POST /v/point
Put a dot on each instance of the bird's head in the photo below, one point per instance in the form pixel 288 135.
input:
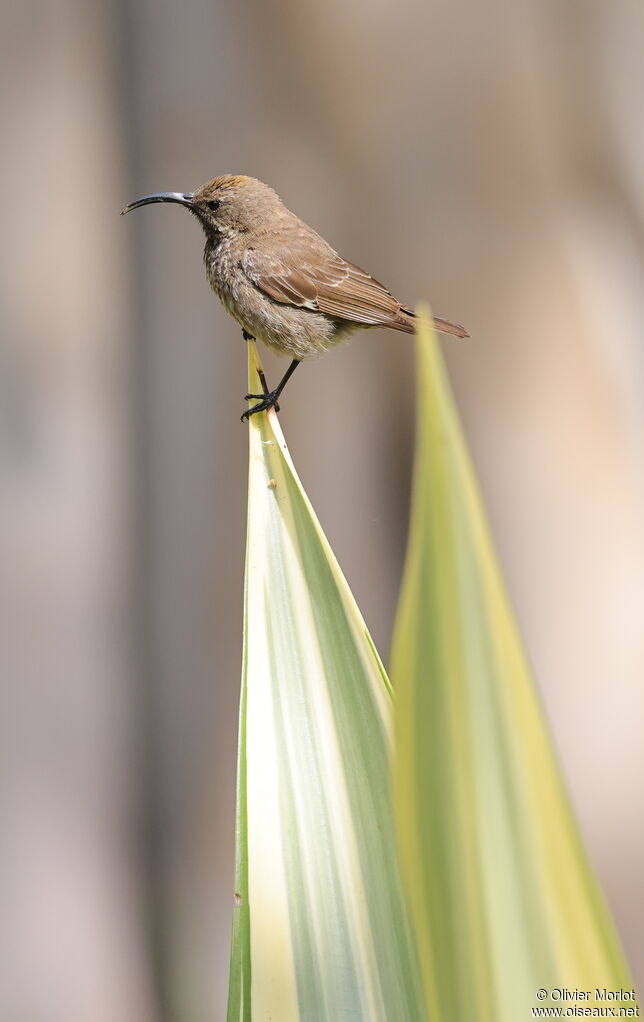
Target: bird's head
pixel 226 206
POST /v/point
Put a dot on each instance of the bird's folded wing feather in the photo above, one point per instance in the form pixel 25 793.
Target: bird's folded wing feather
pixel 313 276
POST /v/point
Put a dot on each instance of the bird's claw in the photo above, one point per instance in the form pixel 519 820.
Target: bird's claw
pixel 266 401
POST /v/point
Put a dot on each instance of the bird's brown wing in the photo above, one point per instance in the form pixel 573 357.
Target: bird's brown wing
pixel 307 273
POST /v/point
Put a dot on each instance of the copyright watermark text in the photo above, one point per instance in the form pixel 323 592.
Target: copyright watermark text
pixel 597 1003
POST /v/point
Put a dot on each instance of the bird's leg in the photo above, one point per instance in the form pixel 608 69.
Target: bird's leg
pixel 269 399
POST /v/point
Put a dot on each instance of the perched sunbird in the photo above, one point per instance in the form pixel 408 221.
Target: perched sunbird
pixel 281 281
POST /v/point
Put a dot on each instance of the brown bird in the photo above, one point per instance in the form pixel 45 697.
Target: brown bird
pixel 280 280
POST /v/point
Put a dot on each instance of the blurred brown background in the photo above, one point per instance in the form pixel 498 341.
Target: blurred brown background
pixel 489 157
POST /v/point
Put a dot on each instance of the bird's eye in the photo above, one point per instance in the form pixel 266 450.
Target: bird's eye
pixel 213 204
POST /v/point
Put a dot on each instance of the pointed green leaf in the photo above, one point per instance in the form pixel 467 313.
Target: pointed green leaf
pixel 502 896
pixel 320 933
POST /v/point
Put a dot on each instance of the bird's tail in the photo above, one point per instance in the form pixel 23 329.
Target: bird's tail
pixel 444 326
pixel 407 322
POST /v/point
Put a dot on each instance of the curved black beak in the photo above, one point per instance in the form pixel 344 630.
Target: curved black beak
pixel 182 198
